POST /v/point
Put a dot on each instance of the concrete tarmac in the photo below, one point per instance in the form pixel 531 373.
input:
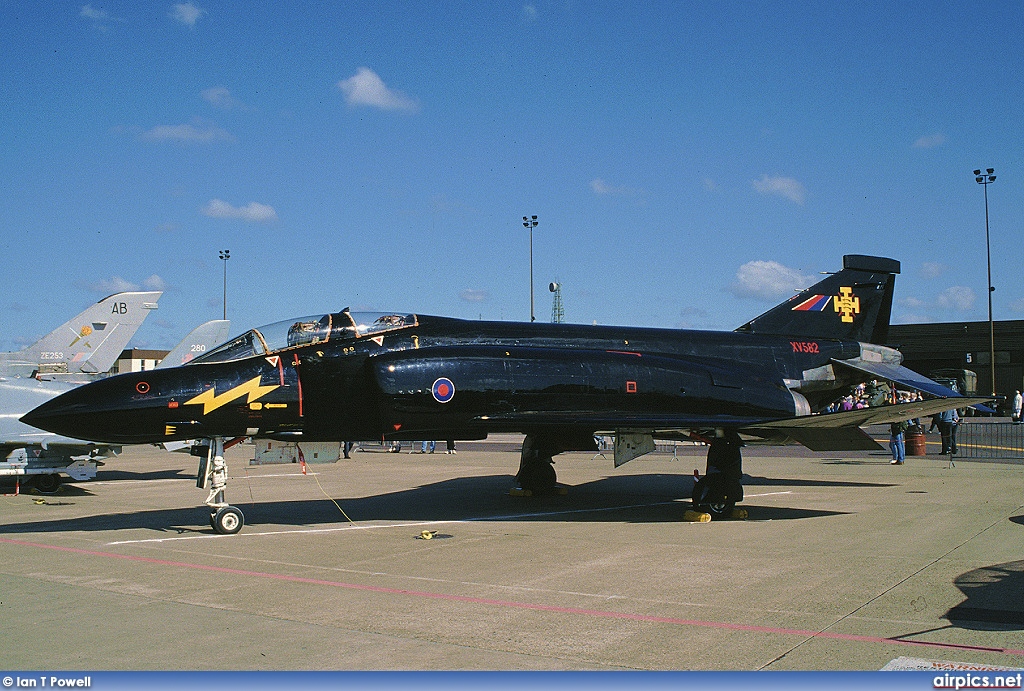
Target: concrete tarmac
pixel 844 563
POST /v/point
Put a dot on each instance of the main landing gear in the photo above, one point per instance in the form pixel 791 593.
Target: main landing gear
pixel 536 470
pixel 536 467
pixel 213 475
pixel 722 486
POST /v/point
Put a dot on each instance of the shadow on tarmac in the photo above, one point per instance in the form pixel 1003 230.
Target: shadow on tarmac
pixel 995 598
pixel 754 481
pixel 649 498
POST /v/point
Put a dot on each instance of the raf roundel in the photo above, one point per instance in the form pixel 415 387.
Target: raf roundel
pixel 443 390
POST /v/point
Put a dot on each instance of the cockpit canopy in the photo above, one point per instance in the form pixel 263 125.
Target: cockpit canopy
pixel 292 333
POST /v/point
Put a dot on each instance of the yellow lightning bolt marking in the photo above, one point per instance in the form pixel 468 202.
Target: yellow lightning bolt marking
pixel 211 400
pixel 846 304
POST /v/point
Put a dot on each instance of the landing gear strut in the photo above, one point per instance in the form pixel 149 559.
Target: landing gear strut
pixel 536 470
pixel 718 491
pixel 213 475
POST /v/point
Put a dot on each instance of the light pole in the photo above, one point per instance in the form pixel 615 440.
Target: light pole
pixel 224 256
pixel 986 179
pixel 531 223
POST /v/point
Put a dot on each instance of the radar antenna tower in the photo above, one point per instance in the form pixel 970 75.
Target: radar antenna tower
pixel 557 312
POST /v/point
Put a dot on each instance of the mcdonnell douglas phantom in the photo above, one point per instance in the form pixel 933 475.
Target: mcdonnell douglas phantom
pixel 396 376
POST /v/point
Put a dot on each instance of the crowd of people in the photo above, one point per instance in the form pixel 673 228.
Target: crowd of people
pixel 873 394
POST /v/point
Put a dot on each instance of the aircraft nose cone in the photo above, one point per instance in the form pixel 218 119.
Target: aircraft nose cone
pixel 67 415
pixel 98 412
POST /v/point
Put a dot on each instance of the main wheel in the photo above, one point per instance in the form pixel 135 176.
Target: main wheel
pixel 710 496
pixel 48 483
pixel 228 520
pixel 537 477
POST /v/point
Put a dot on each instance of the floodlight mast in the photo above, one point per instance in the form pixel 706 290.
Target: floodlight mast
pixel 531 223
pixel 224 256
pixel 985 179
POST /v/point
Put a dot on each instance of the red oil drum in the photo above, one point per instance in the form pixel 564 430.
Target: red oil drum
pixel 915 443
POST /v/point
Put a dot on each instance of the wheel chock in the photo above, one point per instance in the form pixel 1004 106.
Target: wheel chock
pixel 519 492
pixel 692 516
pixel 739 515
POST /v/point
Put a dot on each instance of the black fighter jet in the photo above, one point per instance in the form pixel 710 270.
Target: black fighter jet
pixel 370 377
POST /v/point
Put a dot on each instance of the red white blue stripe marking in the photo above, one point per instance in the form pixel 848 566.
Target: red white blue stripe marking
pixel 817 303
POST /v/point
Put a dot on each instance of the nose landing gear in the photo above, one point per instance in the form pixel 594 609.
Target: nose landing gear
pixel 213 475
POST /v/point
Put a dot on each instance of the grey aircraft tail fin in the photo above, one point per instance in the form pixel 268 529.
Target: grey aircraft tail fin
pixel 201 339
pixel 853 304
pixel 89 343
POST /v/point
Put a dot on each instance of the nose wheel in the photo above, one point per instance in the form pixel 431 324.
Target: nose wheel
pixel 227 520
pixel 213 475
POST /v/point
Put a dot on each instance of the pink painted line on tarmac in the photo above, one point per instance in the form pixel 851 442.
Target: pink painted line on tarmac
pixel 520 605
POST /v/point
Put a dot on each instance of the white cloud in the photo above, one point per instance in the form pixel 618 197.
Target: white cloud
pixel 959 298
pixel 599 186
pixel 220 97
pixel 186 13
pixel 198 132
pixel 930 141
pixel 912 303
pixel 154 282
pixel 933 269
pixel 99 18
pixel 1017 306
pixel 779 186
pixel 768 280
pixel 90 12
pixel 530 13
pixel 470 295
pixel 254 212
pixel 109 286
pixel 365 88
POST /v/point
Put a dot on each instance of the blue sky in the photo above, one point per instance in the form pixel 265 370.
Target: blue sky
pixel 691 164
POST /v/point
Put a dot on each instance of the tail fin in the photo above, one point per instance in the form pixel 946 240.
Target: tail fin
pixel 854 304
pixel 202 338
pixel 91 342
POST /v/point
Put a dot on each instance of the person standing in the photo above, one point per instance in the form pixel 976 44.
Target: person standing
pixel 948 420
pixel 896 443
pixel 1018 401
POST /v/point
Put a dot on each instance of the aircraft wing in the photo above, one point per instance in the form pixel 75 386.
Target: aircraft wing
pixel 825 432
pixel 842 431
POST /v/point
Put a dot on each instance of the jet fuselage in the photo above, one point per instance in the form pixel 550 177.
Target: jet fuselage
pixel 422 377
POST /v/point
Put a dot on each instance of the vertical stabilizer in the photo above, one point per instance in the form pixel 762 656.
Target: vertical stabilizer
pixel 201 339
pixel 854 304
pixel 89 343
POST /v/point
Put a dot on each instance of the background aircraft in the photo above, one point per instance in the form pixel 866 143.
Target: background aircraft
pixel 86 345
pixel 42 456
pixel 354 376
